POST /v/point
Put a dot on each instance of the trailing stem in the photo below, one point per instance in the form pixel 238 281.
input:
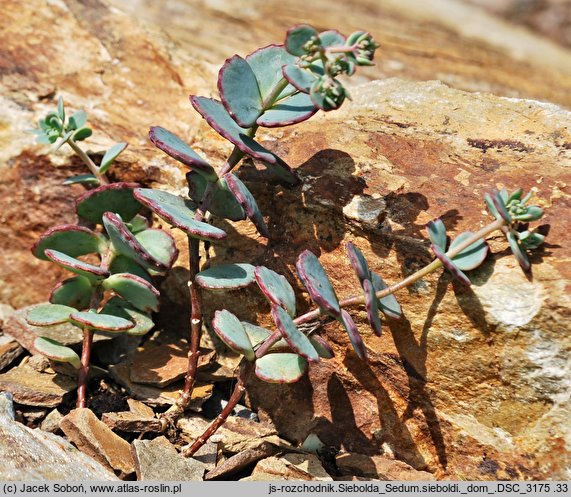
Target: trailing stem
pixel 194 262
pixel 239 388
pixel 102 178
pixel 316 313
pixel 84 370
pixel 88 338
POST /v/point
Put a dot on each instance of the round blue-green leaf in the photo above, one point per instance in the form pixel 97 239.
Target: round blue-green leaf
pixel 281 367
pixel 175 211
pixel 257 335
pixel 358 261
pixel 322 347
pixel 122 309
pixel 290 110
pixel 230 330
pixel 49 314
pixel 354 336
pixel 178 149
pixel 449 264
pixel 297 37
pixel 226 277
pixel 56 351
pixel 301 79
pixel 518 251
pixel 297 341
pixel 217 116
pixel 82 134
pixel 239 91
pixel 125 243
pixel 77 120
pixel 532 213
pixel 530 240
pixel 437 233
pixel 69 239
pixel 91 272
pixel 388 305
pixel 498 199
pixel 248 203
pixel 135 290
pixel 472 256
pixel 160 244
pixel 123 264
pixel 331 38
pixel 276 288
pixel 102 322
pixel 61 109
pixel 138 223
pixel 110 156
pixel 266 63
pixel 114 197
pixel 223 203
pixel 87 179
pixel 372 306
pixel 74 292
pixel 315 280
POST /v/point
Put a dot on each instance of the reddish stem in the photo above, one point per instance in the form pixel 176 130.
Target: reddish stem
pixel 239 388
pixel 84 370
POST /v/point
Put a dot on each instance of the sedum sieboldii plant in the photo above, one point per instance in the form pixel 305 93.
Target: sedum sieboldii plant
pixel 113 252
pixel 278 85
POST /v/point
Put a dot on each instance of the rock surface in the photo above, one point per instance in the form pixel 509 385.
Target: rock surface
pixel 379 468
pixel 97 440
pixel 10 350
pixel 28 454
pixel 158 396
pixel 158 459
pixel 37 388
pixel 235 435
pixel 300 467
pixel 464 363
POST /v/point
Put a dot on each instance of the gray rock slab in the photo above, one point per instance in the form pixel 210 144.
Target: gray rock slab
pixel 158 459
pixel 28 454
pixel 31 387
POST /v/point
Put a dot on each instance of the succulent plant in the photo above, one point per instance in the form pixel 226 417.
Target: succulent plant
pixel 54 126
pixel 112 289
pixel 113 254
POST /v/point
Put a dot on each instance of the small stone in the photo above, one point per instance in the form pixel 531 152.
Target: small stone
pixel 235 435
pixel 10 350
pixel 379 467
pixel 96 439
pixel 7 405
pixel 35 388
pixel 276 468
pixel 28 454
pixel 51 422
pixel 162 364
pixel 140 408
pixel 309 463
pixel 32 414
pixel 207 455
pixel 131 422
pixel 158 396
pixel 242 460
pixel 158 459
